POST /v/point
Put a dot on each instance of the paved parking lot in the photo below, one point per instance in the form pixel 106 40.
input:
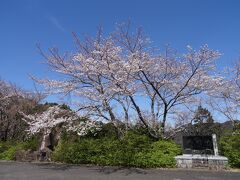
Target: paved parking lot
pixel 39 171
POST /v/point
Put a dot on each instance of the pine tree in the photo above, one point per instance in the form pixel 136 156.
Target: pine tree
pixel 202 115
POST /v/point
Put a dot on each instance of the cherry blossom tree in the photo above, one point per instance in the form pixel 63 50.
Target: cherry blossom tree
pixel 169 80
pixel 12 100
pixel 178 80
pixel 57 116
pixel 94 75
pixel 226 99
pixel 110 74
pixel 45 122
pixel 5 95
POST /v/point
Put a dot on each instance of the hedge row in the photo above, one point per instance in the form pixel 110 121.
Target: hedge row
pixel 133 150
pixel 230 147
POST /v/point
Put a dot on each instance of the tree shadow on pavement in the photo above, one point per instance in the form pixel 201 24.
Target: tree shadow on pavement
pixel 122 170
pixel 100 169
pixel 52 166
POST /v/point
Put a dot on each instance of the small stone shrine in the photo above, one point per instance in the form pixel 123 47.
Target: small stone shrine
pixel 200 152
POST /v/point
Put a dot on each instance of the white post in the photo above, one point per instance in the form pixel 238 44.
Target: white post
pixel 215 146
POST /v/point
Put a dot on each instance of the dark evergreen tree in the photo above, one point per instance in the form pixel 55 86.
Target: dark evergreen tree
pixel 202 115
pixel 203 123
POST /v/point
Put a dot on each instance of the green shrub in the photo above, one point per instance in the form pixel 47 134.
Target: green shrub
pixel 108 130
pixel 230 147
pixel 32 144
pixel 135 140
pixel 86 151
pixel 160 154
pixel 133 150
pixel 9 148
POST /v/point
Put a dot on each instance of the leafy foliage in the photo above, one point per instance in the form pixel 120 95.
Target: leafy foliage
pixel 9 148
pixel 160 154
pixel 133 150
pixel 230 147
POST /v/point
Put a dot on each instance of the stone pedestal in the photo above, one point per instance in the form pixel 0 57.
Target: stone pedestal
pixel 201 161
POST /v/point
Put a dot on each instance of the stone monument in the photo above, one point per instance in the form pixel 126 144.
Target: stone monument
pixel 201 152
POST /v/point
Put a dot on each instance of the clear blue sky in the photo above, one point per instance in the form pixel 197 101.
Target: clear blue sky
pixel 23 23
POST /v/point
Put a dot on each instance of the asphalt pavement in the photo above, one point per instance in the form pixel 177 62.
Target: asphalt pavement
pixel 50 171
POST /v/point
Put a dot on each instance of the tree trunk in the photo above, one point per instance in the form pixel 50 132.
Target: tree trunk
pixel 150 130
pixel 45 143
pixel 163 122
